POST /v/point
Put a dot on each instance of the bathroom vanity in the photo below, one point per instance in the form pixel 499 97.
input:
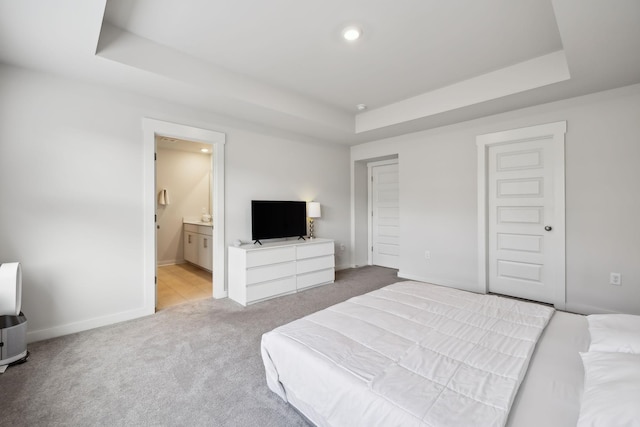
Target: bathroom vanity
pixel 198 244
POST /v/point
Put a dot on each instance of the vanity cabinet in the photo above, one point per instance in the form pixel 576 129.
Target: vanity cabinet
pixel 190 246
pixel 198 245
pixel 258 273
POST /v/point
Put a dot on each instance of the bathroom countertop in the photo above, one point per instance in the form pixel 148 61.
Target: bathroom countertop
pixel 196 222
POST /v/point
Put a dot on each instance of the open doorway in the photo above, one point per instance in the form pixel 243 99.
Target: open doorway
pixel 184 230
pixel 155 128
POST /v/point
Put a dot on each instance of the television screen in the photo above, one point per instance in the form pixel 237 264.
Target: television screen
pixel 272 219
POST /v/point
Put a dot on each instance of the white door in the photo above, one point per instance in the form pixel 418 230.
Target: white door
pixel 385 215
pixel 525 219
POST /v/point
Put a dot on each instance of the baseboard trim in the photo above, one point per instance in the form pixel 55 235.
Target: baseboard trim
pixel 587 309
pixel 171 262
pixel 71 328
pixel 471 287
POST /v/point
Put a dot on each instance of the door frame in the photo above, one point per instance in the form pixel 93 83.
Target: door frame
pixel 555 132
pixel 370 166
pixel 152 128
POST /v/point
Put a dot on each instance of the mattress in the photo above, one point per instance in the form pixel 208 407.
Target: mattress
pixel 551 391
pixel 408 354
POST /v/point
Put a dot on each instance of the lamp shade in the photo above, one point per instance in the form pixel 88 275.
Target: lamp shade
pixel 313 210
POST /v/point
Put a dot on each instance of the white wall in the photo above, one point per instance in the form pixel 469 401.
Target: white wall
pixel 438 199
pixel 279 169
pixel 186 176
pixel 71 192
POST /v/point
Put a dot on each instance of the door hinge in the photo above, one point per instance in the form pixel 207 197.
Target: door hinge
pixel 155 156
pixel 156 280
pixel 371 178
pixel 371 248
pixel 155 218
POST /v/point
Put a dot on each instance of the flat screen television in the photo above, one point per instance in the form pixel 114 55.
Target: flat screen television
pixel 271 219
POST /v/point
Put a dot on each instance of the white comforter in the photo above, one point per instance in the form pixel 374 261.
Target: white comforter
pixel 409 354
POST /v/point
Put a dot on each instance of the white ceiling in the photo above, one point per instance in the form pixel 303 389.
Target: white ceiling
pixel 408 46
pixel 282 63
pixel 169 143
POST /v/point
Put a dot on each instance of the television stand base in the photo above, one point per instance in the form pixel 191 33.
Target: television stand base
pixel 258 242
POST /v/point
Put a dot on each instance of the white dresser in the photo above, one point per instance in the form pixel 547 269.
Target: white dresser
pixel 258 273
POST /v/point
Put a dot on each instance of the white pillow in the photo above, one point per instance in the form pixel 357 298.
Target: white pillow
pixel 611 390
pixel 614 333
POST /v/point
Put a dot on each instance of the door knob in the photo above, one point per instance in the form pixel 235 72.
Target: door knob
pixel 548 228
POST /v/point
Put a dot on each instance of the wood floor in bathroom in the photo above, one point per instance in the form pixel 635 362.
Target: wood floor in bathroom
pixel 181 283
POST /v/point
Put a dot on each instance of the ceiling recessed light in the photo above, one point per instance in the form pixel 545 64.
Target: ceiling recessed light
pixel 351 33
pixel 204 150
pixel 361 107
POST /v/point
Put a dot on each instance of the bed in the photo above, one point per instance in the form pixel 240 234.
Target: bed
pixel 415 354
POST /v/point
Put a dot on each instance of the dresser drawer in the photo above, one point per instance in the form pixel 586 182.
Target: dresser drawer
pixel 270 256
pixel 270 272
pixel 191 227
pixel 315 278
pixel 205 229
pixel 271 289
pixel 314 250
pixel 314 264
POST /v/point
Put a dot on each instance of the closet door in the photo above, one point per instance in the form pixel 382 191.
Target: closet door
pixel 385 218
pixel 525 218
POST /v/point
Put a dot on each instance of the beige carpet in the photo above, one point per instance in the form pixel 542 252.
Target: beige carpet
pixel 196 364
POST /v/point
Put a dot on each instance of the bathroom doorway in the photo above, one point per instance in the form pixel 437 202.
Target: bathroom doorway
pixel 184 228
pixel 216 140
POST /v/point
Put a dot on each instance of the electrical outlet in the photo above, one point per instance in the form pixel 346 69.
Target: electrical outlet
pixel 615 279
pixel 427 254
